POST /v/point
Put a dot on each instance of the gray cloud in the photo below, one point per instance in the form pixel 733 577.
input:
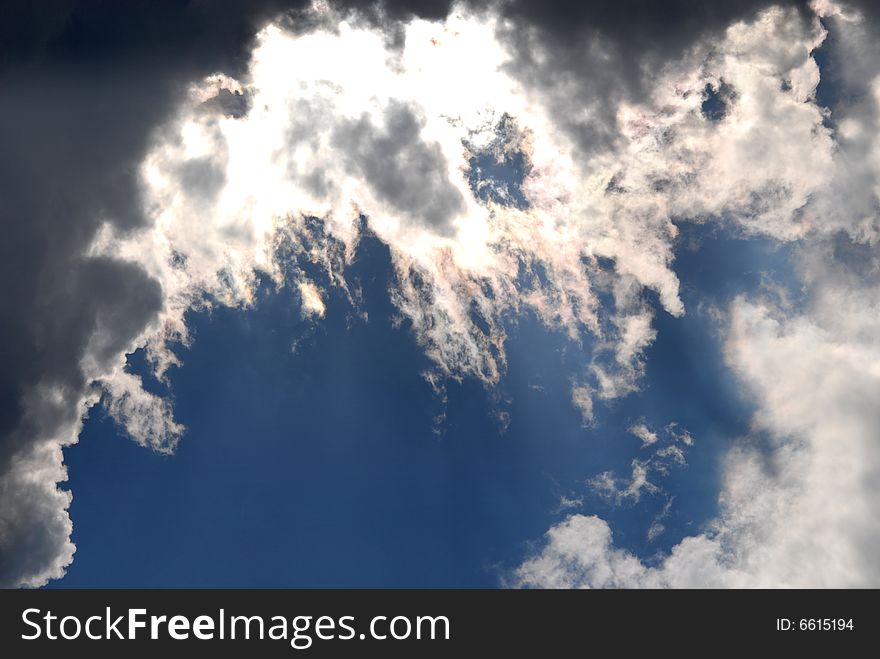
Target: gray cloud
pixel 203 177
pixel 85 84
pixel 71 150
pixel 584 58
pixel 230 103
pixel 402 169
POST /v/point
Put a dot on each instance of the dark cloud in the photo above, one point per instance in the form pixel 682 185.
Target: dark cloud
pixel 84 85
pixel 230 103
pixel 664 28
pixel 583 58
pixel 403 170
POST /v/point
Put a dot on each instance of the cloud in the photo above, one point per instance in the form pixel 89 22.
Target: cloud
pixel 586 59
pixel 666 455
pixel 581 398
pixel 312 304
pixel 402 170
pixel 579 551
pixel 145 417
pixel 657 527
pixel 85 85
pixel 460 261
pixel 129 202
pixel 608 487
pixel 798 506
pixel 799 512
pixel 644 433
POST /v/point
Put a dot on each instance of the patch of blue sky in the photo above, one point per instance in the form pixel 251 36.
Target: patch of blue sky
pixel 496 172
pixel 828 94
pixel 716 100
pixel 686 381
pixel 320 467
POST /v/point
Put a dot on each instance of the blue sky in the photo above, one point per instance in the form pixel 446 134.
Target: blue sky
pixel 320 467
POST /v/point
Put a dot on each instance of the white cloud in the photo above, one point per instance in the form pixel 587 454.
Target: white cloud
pixel 581 398
pixel 315 141
pixel 657 527
pixel 323 140
pixel 802 510
pixel 312 304
pixel 566 503
pixel 679 434
pixel 644 433
pixel 579 551
pixel 147 418
pixel 619 490
pixel 799 504
pixel 607 486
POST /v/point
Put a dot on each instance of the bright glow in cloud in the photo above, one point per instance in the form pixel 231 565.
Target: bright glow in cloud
pixel 363 129
pixel 312 304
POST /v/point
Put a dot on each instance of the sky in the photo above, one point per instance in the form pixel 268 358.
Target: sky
pixel 343 294
pixel 341 477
